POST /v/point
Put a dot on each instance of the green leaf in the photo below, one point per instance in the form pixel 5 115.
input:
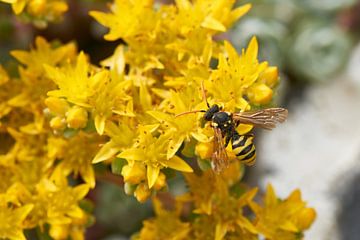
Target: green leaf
pixel 90 126
pixel 189 148
pixel 204 164
pixel 117 165
pixel 169 173
pixel 86 205
pixel 129 189
pixel 69 132
pixel 43 235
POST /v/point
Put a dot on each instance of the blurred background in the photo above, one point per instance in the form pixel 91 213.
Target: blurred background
pixel 316 45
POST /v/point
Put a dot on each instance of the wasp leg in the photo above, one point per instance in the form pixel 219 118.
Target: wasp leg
pixel 227 140
pixel 229 135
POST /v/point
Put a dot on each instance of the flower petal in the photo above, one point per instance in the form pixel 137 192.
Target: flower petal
pixel 132 154
pixel 178 164
pixel 239 12
pixel 107 151
pixel 211 23
pixel 152 175
pixel 19 6
pixel 100 124
pixel 80 191
pixel 174 146
pixel 243 222
pixel 160 116
pixel 270 197
pixel 220 231
pixel 252 50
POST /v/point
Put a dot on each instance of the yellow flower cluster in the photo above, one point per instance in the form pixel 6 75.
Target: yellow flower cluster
pixel 60 114
pixel 160 68
pixel 35 161
pixel 39 11
pixel 219 213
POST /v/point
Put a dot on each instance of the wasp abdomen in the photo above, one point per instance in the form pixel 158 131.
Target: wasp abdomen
pixel 244 148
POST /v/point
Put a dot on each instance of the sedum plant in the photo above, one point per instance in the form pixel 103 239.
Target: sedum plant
pixel 39 12
pixel 62 117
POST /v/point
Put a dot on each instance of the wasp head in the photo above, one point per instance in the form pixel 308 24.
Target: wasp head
pixel 211 111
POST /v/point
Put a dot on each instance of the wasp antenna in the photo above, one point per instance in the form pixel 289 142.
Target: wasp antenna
pixel 204 93
pixel 184 113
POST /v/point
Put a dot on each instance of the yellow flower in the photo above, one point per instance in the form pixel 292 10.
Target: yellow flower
pixel 282 219
pixel 33 92
pixel 183 127
pixel 212 15
pixel 27 148
pixel 39 11
pixel 122 137
pixel 184 29
pixel 234 75
pixel 82 86
pixel 44 53
pixel 60 201
pixel 152 152
pixel 196 51
pixel 125 20
pixel 11 221
pixel 166 225
pixel 56 147
pixel 77 156
pixel 74 81
pixel 211 198
pixel 34 84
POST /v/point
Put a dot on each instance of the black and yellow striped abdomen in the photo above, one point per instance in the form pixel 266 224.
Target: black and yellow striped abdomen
pixel 244 148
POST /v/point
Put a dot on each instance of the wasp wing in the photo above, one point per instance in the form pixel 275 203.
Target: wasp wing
pixel 219 157
pixel 265 118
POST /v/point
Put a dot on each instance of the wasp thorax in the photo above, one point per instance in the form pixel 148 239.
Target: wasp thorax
pixel 222 120
pixel 210 112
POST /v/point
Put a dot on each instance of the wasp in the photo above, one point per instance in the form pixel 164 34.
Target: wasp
pixel 224 125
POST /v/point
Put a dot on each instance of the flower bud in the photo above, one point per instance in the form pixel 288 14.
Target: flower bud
pixel 306 218
pixel 129 188
pixel 58 123
pixel 59 232
pixel 204 150
pixel 37 7
pixel 77 117
pixel 142 192
pixel 82 220
pixel 59 7
pixel 57 105
pixel 160 181
pixel 134 174
pixel 260 94
pixel 270 76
